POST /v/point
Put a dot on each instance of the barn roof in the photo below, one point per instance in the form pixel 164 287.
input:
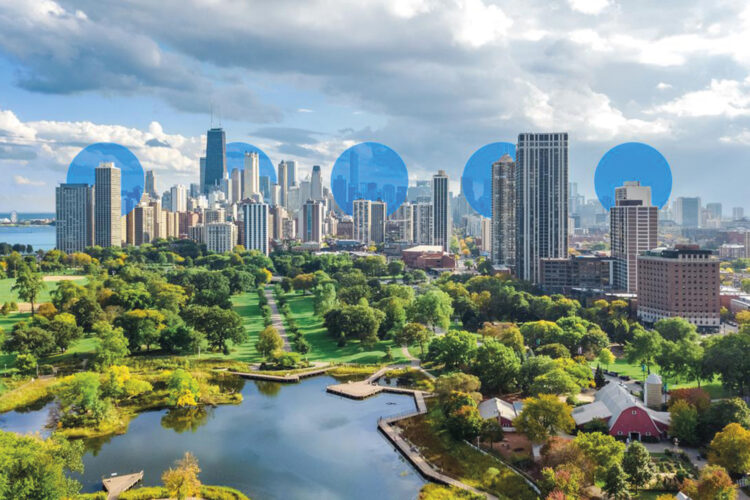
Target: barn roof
pixel 493 407
pixel 610 401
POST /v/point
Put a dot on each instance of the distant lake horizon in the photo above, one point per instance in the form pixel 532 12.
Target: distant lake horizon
pixel 39 237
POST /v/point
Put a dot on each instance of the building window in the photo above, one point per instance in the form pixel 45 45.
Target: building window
pixel 634 412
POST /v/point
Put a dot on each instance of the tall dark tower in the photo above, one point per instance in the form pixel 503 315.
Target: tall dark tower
pixel 216 158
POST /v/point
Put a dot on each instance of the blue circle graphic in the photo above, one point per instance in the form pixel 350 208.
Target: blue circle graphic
pixel 476 180
pixel 370 171
pixel 236 159
pixel 633 161
pixel 81 170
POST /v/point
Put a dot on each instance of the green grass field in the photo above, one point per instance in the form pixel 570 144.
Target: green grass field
pixel 246 305
pixel 6 295
pixel 324 348
pixel 621 366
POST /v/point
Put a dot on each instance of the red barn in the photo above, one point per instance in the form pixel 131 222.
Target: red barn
pixel 626 416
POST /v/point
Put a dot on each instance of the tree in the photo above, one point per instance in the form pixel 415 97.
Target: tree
pixel 554 351
pixel 360 322
pixel 491 431
pixel 111 346
pixel 601 449
pixel 324 298
pixel 676 329
pixel 455 349
pixel 644 347
pixel 46 310
pixel 730 449
pixel 220 326
pixel 28 285
pixel 64 330
pixel 178 337
pixel 413 333
pixel 120 383
pixel 26 363
pixel 637 465
pixel 713 484
pixel 542 416
pixel 35 468
pixel 464 422
pixel 28 339
pixel 447 384
pixel 536 333
pixel 182 481
pixel 555 381
pixel 183 389
pixel 684 422
pixel 395 267
pixel 395 315
pixel 141 327
pixel 606 357
pixel 303 282
pixel 497 366
pixel 722 413
pixel 268 341
pixel 432 308
pixel 616 483
pixel 599 380
pixel 562 482
pixel 80 399
pixel 727 357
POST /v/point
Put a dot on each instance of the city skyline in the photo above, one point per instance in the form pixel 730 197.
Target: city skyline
pixel 685 99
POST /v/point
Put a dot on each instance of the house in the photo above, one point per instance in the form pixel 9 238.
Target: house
pixel 501 410
pixel 625 415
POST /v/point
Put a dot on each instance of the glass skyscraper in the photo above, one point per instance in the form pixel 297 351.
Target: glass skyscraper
pixel 216 159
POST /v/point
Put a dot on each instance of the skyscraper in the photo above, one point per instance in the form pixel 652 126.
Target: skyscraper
pixel 504 211
pixel 633 227
pixel 204 188
pixel 150 186
pixel 220 237
pixel 378 213
pixel 541 201
pixel 107 216
pixel 255 225
pixel 687 211
pixel 738 213
pixel 251 176
pixel 179 198
pixel 316 184
pixel 236 185
pixel 74 222
pixel 361 216
pixel 283 183
pixel 422 223
pixel 291 173
pixel 264 183
pixel 312 221
pixel 216 158
pixel 353 189
pixel 441 215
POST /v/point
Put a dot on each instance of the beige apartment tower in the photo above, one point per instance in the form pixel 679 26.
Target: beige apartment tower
pixel 107 202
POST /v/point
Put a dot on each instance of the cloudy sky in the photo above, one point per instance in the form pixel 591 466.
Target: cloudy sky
pixel 433 79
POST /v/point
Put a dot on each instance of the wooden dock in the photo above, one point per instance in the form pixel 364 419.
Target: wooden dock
pixel 116 485
pixel 289 378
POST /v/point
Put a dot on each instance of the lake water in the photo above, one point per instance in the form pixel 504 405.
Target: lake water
pixel 283 442
pixel 39 237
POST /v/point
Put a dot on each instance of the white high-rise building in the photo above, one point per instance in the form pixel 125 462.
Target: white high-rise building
pixel 291 173
pixel 504 211
pixel 150 186
pixel 687 211
pixel 251 176
pixel 422 223
pixel 404 217
pixel 107 203
pixel 316 184
pixel 541 201
pixel 441 213
pixel 283 183
pixel 236 177
pixel 255 225
pixel 74 217
pixel 220 237
pixel 312 221
pixel 633 230
pixel 179 198
pixel 361 216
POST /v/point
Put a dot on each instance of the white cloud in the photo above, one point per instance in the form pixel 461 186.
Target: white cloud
pixel 742 138
pixel 729 98
pixel 304 110
pixel 593 7
pixel 478 24
pixel 25 181
pixel 663 86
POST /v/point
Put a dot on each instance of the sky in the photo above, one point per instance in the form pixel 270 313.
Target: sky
pixel 435 80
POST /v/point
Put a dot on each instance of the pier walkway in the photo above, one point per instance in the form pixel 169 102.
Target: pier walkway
pixel 117 485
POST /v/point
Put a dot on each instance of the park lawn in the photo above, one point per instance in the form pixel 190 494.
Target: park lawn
pixel 80 349
pixel 7 322
pixel 633 370
pixel 7 295
pixel 324 348
pixel 246 305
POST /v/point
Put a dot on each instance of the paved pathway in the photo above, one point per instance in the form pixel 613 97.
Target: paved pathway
pixel 276 319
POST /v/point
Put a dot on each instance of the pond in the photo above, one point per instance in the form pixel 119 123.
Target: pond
pixel 283 441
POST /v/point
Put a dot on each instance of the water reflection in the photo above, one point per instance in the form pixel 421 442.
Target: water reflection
pixel 185 419
pixel 268 388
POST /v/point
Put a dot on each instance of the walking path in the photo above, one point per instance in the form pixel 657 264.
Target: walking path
pixel 318 369
pixel 276 320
